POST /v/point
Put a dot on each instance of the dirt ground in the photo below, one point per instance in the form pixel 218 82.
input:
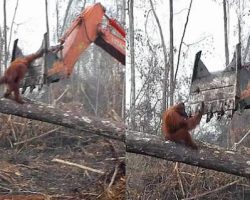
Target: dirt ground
pixel 27 170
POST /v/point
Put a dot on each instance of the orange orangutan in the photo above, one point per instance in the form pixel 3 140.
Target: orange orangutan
pixel 176 124
pixel 15 73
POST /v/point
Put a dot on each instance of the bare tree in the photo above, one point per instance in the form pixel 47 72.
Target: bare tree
pixel 246 50
pixel 166 64
pixel 171 53
pixel 47 20
pixel 132 62
pixel 12 23
pixel 182 38
pixel 66 15
pixel 1 50
pixel 239 21
pixel 225 31
pixel 5 34
pixel 57 20
pixel 123 20
pixel 97 91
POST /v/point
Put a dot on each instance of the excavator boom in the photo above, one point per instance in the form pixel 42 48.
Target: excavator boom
pixel 85 29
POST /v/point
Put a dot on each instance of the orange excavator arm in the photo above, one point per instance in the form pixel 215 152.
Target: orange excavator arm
pixel 58 61
pixel 85 29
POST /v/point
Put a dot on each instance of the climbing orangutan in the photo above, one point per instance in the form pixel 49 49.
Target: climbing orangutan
pixel 15 73
pixel 176 124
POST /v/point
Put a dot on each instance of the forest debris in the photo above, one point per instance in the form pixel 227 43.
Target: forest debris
pixel 77 165
pixel 241 140
pixel 118 158
pixel 113 177
pixel 36 137
pixel 212 191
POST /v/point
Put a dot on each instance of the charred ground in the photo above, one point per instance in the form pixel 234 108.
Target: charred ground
pixel 28 172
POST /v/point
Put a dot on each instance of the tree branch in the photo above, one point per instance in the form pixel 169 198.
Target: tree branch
pixel 182 38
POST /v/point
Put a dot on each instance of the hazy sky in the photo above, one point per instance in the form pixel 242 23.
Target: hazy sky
pixel 205 21
pixel 30 22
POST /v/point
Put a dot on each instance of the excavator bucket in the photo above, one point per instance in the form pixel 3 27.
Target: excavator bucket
pixel 37 74
pixel 222 92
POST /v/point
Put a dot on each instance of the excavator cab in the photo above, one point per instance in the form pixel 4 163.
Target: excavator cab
pixel 223 92
pixel 58 61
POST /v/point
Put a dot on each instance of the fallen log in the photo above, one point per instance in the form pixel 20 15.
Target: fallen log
pixel 208 156
pixel 46 113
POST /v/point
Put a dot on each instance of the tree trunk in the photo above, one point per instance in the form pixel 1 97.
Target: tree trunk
pixel 57 20
pixel 5 34
pixel 225 31
pixel 245 55
pixel 239 21
pixel 65 16
pixel 12 23
pixel 123 73
pixel 97 91
pixel 46 113
pixel 171 53
pixel 47 21
pixel 182 38
pixel 166 69
pixel 132 63
pixel 1 51
pixel 214 158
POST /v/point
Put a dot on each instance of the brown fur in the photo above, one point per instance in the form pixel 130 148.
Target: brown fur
pixel 176 125
pixel 15 73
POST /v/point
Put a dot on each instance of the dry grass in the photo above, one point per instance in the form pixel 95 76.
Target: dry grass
pixel 151 178
pixel 27 149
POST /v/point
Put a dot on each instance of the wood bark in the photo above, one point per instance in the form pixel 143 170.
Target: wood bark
pixel 208 157
pixel 50 114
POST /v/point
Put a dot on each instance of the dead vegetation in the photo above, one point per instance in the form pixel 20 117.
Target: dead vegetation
pixel 43 161
pixel 151 178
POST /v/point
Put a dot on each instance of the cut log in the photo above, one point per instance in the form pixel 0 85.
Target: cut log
pixel 207 156
pixel 210 157
pixel 50 114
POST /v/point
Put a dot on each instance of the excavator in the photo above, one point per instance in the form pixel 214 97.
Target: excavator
pixel 58 61
pixel 222 92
